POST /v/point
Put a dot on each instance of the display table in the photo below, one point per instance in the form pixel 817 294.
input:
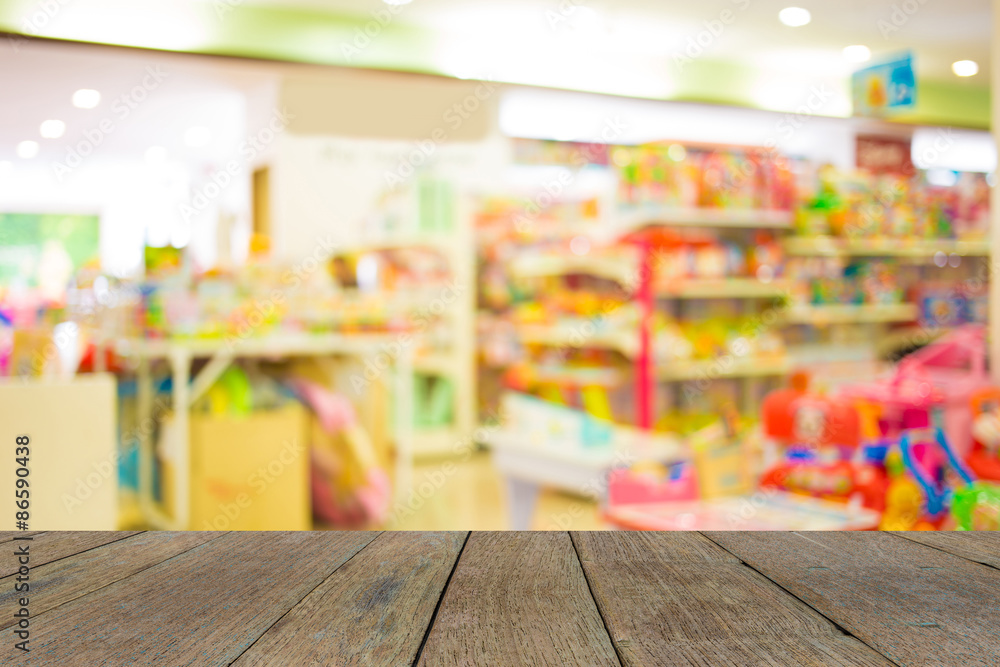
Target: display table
pixel 762 511
pixel 545 598
pixel 179 354
pixel 527 468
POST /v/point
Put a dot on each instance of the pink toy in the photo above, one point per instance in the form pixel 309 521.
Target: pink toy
pixel 349 489
pixel 626 486
pixel 942 376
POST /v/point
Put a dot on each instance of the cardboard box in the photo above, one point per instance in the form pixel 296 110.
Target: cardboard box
pixel 248 473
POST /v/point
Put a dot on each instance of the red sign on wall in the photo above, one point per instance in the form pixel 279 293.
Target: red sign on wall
pixel 884 155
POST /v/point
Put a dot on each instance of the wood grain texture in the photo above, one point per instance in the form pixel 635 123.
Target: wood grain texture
pixel 9 535
pixel 518 599
pixel 682 608
pixel 51 546
pixel 74 576
pixel 202 608
pixel 978 547
pixel 374 610
pixel 913 604
pixel 665 547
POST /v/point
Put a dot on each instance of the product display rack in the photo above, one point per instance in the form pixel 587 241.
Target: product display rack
pixel 455 363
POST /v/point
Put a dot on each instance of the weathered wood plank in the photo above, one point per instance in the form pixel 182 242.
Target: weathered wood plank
pixel 9 535
pixel 979 547
pixel 666 547
pixel 204 607
pixel 518 599
pixel 374 610
pixel 52 546
pixel 74 576
pixel 914 604
pixel 688 603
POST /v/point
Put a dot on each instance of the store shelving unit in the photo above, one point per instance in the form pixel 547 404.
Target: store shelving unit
pixel 726 288
pixel 574 336
pixel 456 362
pixel 746 367
pixel 851 314
pixel 636 217
pixel 829 246
pixel 624 266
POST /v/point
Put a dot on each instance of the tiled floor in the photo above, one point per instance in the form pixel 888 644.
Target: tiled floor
pixel 453 495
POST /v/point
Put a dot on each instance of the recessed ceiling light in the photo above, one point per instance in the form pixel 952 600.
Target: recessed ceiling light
pixel 794 16
pixel 27 149
pixel 52 129
pixel 857 53
pixel 86 98
pixel 965 68
pixel 196 137
pixel 156 155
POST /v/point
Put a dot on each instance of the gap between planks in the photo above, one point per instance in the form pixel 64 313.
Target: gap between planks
pixel 590 588
pixel 291 607
pixel 437 607
pixel 790 593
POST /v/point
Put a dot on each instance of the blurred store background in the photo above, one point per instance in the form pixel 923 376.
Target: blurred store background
pixel 442 265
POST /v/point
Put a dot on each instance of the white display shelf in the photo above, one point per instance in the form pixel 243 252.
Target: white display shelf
pixel 851 313
pixel 631 218
pixel 830 246
pixel 620 267
pixel 727 367
pixel 624 341
pixel 725 288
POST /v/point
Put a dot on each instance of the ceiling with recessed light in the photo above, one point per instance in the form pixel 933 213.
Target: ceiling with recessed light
pixel 727 51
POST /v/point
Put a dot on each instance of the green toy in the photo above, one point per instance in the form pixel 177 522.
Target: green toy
pixel 977 507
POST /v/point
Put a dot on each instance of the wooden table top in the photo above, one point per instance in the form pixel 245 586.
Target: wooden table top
pixel 541 598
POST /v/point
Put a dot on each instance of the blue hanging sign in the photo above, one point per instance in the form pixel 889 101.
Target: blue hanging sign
pixel 885 88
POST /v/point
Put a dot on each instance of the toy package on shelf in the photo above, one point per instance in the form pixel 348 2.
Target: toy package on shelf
pixel 831 280
pixel 711 491
pixel 944 305
pixel 706 256
pixel 671 175
pixel 815 440
pixel 860 204
pixel 909 446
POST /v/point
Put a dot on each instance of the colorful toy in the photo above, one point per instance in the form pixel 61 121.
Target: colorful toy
pixel 977 507
pixel 349 488
pixel 940 377
pixel 984 458
pixel 819 436
pixel 928 461
pixel 652 483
